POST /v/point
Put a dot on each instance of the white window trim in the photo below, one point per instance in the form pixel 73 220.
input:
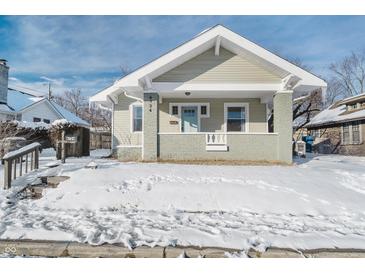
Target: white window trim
pixel 247 111
pixel 131 117
pixel 187 104
pixel 351 142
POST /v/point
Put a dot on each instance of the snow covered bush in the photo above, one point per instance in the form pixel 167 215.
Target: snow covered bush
pixel 15 134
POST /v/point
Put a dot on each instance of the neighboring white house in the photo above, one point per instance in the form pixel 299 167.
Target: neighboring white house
pixel 26 105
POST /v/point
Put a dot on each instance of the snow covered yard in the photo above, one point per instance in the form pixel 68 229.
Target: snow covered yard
pixel 317 203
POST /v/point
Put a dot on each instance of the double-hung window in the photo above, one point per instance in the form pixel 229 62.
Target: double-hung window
pixel 351 134
pixel 236 117
pixel 346 133
pixel 356 132
pixel 137 114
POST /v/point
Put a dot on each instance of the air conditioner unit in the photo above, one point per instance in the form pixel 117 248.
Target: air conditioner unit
pixel 300 148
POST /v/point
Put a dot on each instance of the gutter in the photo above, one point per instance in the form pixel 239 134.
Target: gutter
pixel 132 97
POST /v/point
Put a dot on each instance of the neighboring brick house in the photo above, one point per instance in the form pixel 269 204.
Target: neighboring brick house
pixel 340 128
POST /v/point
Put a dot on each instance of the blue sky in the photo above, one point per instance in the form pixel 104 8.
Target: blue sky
pixel 88 52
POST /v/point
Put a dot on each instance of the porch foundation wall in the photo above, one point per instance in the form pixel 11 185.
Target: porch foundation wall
pixel 241 147
pixel 128 153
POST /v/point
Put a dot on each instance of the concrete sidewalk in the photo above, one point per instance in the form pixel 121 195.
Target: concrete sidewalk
pixel 31 248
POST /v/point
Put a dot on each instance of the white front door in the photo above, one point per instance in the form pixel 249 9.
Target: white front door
pixel 189 119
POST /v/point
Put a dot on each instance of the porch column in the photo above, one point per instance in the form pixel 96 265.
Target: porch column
pixel 283 124
pixel 150 126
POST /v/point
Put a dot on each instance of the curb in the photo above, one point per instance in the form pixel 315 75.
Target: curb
pixel 30 248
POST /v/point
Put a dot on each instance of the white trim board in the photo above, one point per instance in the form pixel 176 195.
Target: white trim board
pixel 131 117
pixel 247 114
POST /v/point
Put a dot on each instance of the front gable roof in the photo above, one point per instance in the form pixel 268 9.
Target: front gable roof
pixel 220 36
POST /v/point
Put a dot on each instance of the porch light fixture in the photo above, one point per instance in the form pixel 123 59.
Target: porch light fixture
pixel 187 93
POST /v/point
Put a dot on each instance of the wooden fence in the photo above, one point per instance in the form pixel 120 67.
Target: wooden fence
pixel 100 139
pixel 19 162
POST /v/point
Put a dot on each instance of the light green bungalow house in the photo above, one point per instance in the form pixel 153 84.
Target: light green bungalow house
pixel 207 99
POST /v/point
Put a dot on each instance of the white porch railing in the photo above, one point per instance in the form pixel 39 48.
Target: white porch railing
pixel 216 139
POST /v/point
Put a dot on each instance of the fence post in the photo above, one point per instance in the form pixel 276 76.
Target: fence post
pixel 36 158
pixel 31 161
pixel 7 174
pixel 21 166
pixel 26 163
pixel 14 168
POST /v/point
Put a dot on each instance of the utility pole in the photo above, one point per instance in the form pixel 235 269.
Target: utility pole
pixel 49 91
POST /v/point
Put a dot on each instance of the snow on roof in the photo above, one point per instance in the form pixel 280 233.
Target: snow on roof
pixel 332 115
pixel 33 125
pixel 299 121
pixel 69 116
pixel 19 100
pixel 5 108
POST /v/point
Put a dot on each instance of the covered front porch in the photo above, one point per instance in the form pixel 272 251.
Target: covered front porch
pixel 196 126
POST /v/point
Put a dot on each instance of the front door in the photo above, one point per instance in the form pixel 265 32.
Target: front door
pixel 189 119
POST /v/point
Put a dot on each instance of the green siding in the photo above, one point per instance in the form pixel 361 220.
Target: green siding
pixel 122 123
pixel 225 68
pixel 215 123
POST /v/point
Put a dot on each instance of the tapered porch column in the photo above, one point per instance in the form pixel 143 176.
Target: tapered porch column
pixel 150 126
pixel 283 124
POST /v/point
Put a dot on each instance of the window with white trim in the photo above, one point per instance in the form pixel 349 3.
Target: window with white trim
pixel 137 113
pixel 236 117
pixel 203 108
pixel 175 110
pixel 36 119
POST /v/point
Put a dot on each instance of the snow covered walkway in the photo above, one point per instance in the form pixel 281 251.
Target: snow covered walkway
pixel 318 203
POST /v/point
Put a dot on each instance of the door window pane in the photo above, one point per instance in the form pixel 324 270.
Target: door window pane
pixel 203 110
pixel 175 110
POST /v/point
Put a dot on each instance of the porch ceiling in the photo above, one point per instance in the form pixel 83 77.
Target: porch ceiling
pixel 218 94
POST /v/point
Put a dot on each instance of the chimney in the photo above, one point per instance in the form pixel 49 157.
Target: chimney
pixel 4 74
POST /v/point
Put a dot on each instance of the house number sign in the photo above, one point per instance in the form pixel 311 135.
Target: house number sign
pixel 150 103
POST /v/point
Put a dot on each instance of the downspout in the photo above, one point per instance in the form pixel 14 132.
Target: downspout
pixel 112 133
pixel 132 97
